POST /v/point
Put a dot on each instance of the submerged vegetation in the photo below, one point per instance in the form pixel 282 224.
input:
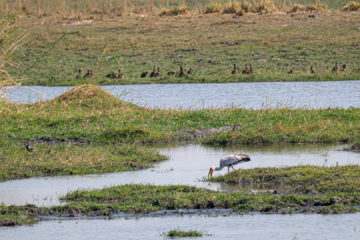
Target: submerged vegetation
pixel 181 234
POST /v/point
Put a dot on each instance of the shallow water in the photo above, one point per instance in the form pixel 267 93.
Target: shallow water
pixel 187 164
pixel 254 227
pixel 342 94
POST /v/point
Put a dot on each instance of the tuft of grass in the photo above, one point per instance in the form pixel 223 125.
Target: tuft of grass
pixel 180 234
pixel 232 7
pixel 306 8
pixel 351 6
pixel 214 8
pixel 266 6
pixel 182 10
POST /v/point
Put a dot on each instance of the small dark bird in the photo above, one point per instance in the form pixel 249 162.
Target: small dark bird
pixel 157 74
pixel 190 71
pixel 153 73
pixel 119 74
pixel 335 68
pixel 246 70
pixel 343 69
pixel 181 73
pixel 171 73
pixel 234 69
pixel 290 71
pixel 144 74
pixel 89 74
pixel 312 70
pixel 29 148
pixel 52 78
pixel 110 75
pixel 79 74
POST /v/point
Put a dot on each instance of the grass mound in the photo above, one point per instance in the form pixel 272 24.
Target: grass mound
pixel 84 92
pixel 351 6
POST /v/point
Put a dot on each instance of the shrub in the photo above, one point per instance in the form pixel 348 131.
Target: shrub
pixel 214 8
pixel 233 7
pixel 175 11
pixel 351 6
pixel 266 6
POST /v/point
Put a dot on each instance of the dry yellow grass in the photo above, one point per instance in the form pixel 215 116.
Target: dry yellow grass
pixel 214 8
pixel 182 10
pixel 351 6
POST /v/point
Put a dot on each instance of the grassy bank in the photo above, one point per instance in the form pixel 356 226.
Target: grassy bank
pixel 54 159
pixel 87 130
pixel 300 179
pixel 341 195
pixel 209 44
pixel 90 114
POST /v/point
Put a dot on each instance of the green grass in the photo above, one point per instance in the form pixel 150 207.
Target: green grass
pixel 72 159
pixel 209 44
pixel 304 189
pixel 180 234
pixel 90 114
pixel 87 130
pixel 300 179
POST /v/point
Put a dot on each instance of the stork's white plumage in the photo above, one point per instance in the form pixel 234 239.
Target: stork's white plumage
pixel 229 161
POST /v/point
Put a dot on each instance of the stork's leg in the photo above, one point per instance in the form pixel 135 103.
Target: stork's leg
pixel 233 167
pixel 228 169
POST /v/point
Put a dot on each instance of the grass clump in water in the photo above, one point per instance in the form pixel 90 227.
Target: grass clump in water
pixel 181 234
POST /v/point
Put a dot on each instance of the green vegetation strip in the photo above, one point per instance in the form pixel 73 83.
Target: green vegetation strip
pixel 181 234
pixel 89 114
pixel 70 159
pixel 304 189
pixel 341 180
pixel 87 130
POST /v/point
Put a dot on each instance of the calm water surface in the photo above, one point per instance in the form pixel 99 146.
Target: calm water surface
pixel 342 94
pixel 252 227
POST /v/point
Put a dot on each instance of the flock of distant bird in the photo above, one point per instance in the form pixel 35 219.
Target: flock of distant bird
pixel 183 73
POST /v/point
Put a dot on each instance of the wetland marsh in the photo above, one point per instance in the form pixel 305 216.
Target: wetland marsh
pixel 106 161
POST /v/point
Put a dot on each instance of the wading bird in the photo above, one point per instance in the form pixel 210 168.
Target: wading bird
pixel 343 69
pixel 312 69
pixel 144 74
pixel 229 161
pixel 335 68
pixel 153 73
